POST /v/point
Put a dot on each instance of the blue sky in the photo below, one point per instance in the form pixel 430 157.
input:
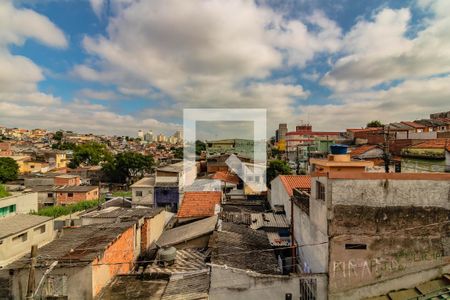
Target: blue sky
pixel 113 67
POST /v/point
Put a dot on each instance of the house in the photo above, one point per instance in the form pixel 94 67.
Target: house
pixel 241 147
pixel 371 232
pixel 433 124
pixel 5 149
pixel 282 189
pixel 304 135
pixel 67 179
pixel 87 258
pixel 19 232
pixel 199 205
pixel 337 163
pixel 372 153
pixel 229 180
pixel 243 266
pixel 204 185
pixel 150 221
pixel 22 203
pixel 64 195
pixel 417 127
pixel 432 149
pixel 142 191
pixel 192 235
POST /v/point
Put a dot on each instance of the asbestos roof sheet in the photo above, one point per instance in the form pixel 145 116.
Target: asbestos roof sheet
pixel 16 224
pixel 268 220
pixel 187 260
pixel 241 247
pixel 131 287
pixel 188 287
pixel 77 246
pixel 187 232
pixel 123 213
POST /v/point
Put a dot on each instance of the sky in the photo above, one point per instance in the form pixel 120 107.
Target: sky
pixel 113 67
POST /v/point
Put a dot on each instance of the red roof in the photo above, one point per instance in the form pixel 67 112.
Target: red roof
pixel 225 176
pixel 199 204
pixel 434 144
pixel 364 129
pixel 413 124
pixel 362 149
pixel 312 133
pixel 291 182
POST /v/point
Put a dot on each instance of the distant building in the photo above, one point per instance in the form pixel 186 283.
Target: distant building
pixel 142 191
pixel 240 147
pixel 281 136
pixel 440 115
pixel 64 195
pixel 149 137
pixel 140 134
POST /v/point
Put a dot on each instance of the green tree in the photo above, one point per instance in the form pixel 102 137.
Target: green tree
pixel 277 167
pixel 58 136
pixel 90 154
pixel 374 123
pixel 199 147
pixel 126 166
pixel 3 191
pixel 64 146
pixel 177 152
pixel 9 169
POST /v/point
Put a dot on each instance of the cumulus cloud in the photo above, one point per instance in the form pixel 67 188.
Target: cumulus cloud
pixel 381 50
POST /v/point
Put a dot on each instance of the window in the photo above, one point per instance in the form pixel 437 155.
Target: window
pixel 49 195
pixel 69 194
pixel 138 193
pixel 320 190
pixel 20 238
pixel 40 229
pixel 32 167
pixel 4 211
pixel 355 246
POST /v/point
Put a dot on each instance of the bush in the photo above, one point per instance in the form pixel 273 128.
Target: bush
pixel 3 192
pixel 57 211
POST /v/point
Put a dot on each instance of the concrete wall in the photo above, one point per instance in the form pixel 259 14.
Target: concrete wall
pixel 368 241
pixel 36 181
pixel 11 249
pixel 74 282
pixel 401 135
pixel 391 192
pixel 238 284
pixel 25 203
pixel 154 228
pixel 279 196
pixel 147 197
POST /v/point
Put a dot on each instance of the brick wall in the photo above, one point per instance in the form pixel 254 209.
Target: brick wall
pixel 68 198
pixel 60 181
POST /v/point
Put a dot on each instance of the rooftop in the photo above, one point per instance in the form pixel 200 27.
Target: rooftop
pixel 65 188
pixel 225 176
pixel 187 232
pixel 188 287
pixel 15 224
pixel 78 246
pixel 413 124
pixel 123 213
pixel 199 204
pixel 186 260
pixel 268 220
pixel 434 144
pixel 291 182
pixel 144 182
pixel 361 150
pixel 390 176
pixel 240 247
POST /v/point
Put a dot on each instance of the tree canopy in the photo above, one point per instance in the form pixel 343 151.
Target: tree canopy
pixel 199 147
pixel 92 153
pixel 277 167
pixel 9 169
pixel 58 136
pixel 126 166
pixel 374 123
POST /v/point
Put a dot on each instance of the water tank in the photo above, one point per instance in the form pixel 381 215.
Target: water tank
pixel 338 149
pixel 167 255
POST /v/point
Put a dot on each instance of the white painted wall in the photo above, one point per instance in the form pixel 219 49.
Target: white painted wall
pixel 279 196
pixel 25 203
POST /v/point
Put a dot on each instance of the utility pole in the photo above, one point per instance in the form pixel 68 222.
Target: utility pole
pixel 30 286
pixel 386 154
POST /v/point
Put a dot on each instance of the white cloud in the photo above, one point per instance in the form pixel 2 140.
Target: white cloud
pixel 98 6
pixel 380 50
pixel 98 94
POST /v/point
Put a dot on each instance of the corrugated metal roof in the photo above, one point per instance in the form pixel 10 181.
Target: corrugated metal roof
pixel 188 287
pixel 268 220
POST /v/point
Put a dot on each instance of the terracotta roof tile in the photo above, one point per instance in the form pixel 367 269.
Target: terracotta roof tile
pixel 199 204
pixel 413 124
pixel 435 144
pixel 291 182
pixel 361 150
pixel 224 176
